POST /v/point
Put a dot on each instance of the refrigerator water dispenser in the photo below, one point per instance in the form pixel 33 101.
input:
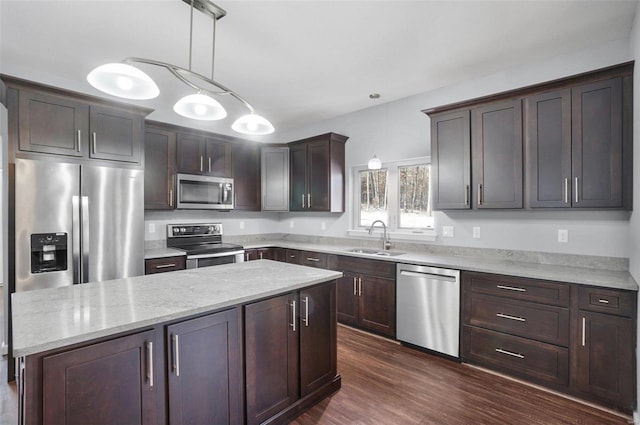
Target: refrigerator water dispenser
pixel 48 252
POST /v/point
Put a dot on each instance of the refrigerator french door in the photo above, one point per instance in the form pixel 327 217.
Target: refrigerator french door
pixel 76 224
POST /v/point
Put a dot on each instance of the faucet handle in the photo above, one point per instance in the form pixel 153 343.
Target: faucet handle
pixel 387 243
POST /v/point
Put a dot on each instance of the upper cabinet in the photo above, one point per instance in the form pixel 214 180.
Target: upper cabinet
pixel 198 154
pixel 246 176
pixel 317 173
pixel 159 168
pixel 53 121
pixel 275 178
pixel 576 153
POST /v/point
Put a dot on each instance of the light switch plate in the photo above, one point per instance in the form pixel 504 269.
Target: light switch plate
pixel 152 227
pixel 447 231
pixel 241 225
pixel 476 232
pixel 563 235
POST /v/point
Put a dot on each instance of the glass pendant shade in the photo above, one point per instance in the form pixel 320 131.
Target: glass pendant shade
pixel 374 163
pixel 253 124
pixel 122 80
pixel 200 107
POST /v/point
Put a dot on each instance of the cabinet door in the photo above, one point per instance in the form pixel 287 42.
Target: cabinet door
pixel 597 144
pixel 348 299
pixel 548 145
pixel 246 176
pixel 105 383
pixel 159 169
pixel 51 124
pixel 606 358
pixel 318 184
pixel 275 179
pixel 451 160
pixel 298 179
pixel 115 135
pixel 271 356
pixel 217 158
pixel 317 337
pixel 377 306
pixel 496 147
pixel 189 154
pixel 205 358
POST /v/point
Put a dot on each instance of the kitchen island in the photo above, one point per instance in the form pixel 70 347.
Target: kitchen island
pixel 247 342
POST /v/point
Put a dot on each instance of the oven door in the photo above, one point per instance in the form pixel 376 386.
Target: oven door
pixel 216 259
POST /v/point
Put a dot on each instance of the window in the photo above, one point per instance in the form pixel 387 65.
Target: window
pixel 397 194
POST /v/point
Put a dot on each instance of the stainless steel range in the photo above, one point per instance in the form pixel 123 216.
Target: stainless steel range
pixel 203 244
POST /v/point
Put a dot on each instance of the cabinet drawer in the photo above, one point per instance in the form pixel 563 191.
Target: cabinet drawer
pixel 293 256
pixel 365 266
pixel 546 292
pixel 535 360
pixel 610 301
pixel 314 259
pixel 164 264
pixel 536 321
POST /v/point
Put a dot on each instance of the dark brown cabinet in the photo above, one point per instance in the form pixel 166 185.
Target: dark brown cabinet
pixel 165 264
pixel 66 125
pixel 317 173
pixel 204 370
pixel 367 294
pixel 451 160
pixel 276 254
pixel 198 154
pixel 605 346
pixel 159 168
pixel 246 176
pixel 290 346
pixel 496 150
pixel 117 381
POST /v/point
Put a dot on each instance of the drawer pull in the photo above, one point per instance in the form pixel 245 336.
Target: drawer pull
pixel 584 331
pixel 509 353
pixel 506 316
pixel 603 301
pixel 511 288
pixel 313 259
pixel 164 266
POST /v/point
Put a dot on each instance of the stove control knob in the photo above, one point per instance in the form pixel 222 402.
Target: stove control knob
pixel 211 229
pixel 176 230
pixel 182 229
pixel 216 228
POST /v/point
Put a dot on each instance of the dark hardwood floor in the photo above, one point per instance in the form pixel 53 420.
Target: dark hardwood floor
pixel 386 383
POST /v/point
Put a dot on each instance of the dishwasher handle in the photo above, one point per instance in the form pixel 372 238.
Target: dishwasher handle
pixel 430 276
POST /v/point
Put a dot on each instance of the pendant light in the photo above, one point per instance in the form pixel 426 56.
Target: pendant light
pixel 126 81
pixel 374 163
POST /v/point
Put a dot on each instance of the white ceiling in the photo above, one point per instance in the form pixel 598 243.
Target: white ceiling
pixel 299 62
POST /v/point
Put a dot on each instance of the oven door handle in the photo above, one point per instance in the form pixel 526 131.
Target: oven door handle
pixel 216 255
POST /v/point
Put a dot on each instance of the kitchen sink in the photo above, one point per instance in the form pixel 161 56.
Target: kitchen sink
pixel 375 252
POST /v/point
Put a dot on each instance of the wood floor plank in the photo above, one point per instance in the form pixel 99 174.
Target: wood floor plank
pixel 386 383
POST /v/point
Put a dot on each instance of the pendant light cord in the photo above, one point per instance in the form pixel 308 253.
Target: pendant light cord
pixel 213 46
pixel 191 34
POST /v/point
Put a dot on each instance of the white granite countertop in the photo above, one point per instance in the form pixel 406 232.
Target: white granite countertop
pixel 162 252
pixel 52 318
pixel 561 273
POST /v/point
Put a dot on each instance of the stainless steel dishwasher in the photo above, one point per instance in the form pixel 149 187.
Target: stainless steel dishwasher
pixel 428 308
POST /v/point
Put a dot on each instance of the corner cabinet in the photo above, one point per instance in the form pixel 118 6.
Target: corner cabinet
pixel 317 173
pixel 159 168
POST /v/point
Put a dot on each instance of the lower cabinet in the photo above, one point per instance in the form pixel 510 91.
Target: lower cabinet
pixel 271 253
pixel 165 264
pixel 204 370
pixel 106 383
pixel 290 351
pixel 367 294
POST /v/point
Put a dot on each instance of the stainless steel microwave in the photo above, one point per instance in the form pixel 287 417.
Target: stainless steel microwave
pixel 204 192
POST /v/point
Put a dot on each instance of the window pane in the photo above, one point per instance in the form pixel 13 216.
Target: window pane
pixel 415 203
pixel 373 197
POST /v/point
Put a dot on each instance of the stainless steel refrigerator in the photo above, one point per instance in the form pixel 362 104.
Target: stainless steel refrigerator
pixel 76 224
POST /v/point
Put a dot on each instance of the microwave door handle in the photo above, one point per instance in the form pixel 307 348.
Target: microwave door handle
pixel 223 192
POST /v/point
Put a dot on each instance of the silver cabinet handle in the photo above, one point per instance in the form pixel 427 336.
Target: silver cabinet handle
pixel 306 311
pixel 577 187
pixel 511 288
pixel 467 194
pixel 308 200
pixel 176 353
pixel 79 135
pixel 479 194
pixel 246 256
pixel 603 301
pixel 95 142
pixel 164 266
pixel 303 200
pixel 209 164
pixel 516 318
pixel 584 331
pixel 201 163
pixel 293 315
pixel 509 353
pixel 315 260
pixel 355 287
pixel 260 253
pixel 566 191
pixel 360 286
pixel 150 363
pixel 170 197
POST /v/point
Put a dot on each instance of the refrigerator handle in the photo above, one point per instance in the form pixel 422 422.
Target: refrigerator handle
pixel 75 238
pixel 85 239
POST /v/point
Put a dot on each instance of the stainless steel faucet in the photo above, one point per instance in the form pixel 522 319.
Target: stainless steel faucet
pixel 386 244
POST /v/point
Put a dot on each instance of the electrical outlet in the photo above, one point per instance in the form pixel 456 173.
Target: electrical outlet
pixel 476 232
pixel 323 226
pixel 291 224
pixel 563 235
pixel 447 231
pixel 241 225
pixel 152 227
